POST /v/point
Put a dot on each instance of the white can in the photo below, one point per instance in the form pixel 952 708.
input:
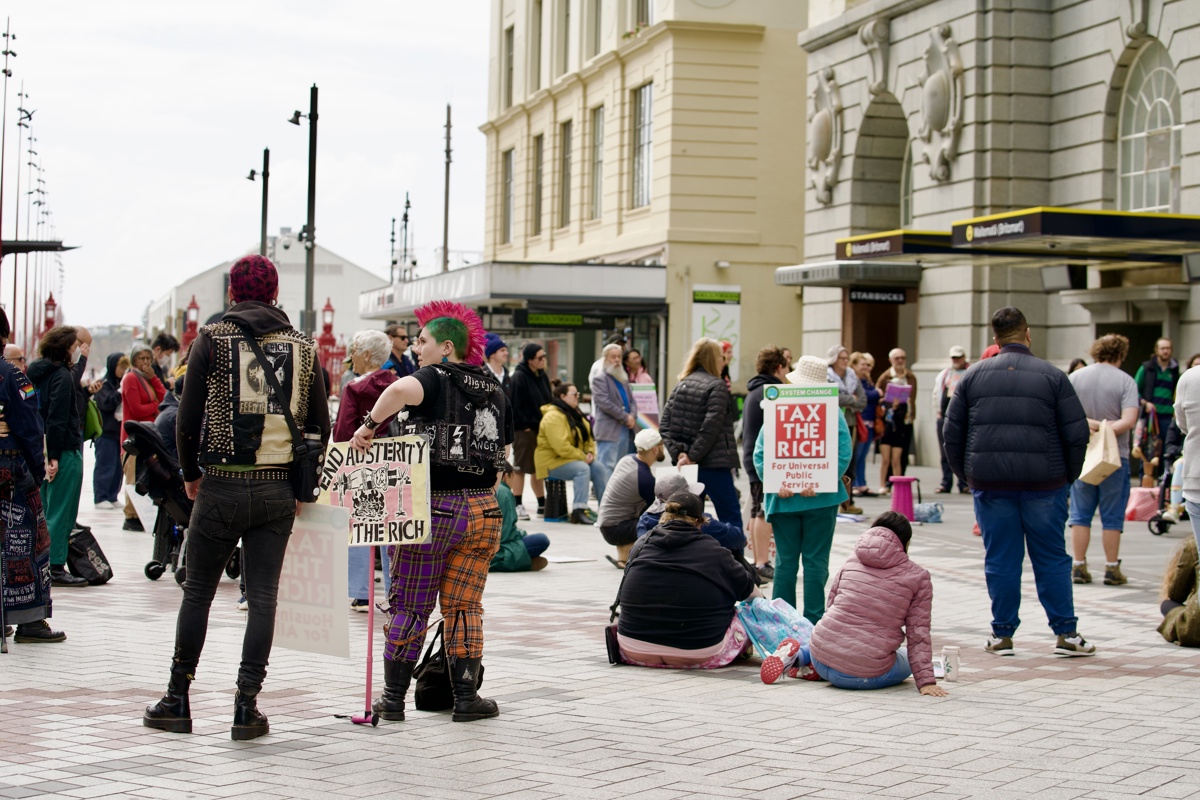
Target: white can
pixel 950 659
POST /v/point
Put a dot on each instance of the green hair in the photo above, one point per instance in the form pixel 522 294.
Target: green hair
pixel 448 329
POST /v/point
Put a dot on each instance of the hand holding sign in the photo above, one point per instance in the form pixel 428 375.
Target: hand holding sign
pixel 800 438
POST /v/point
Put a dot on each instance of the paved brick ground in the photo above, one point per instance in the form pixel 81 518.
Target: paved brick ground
pixel 1116 725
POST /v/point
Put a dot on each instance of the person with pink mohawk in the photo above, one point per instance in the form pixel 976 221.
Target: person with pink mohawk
pixel 452 400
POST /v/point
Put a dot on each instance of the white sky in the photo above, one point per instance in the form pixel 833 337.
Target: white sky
pixel 149 115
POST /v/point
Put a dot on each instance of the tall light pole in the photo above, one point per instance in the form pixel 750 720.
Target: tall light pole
pixel 9 38
pixel 446 209
pixel 309 234
pixel 266 175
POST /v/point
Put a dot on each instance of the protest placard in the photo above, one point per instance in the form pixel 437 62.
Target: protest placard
pixel 386 490
pixel 645 402
pixel 311 615
pixel 800 438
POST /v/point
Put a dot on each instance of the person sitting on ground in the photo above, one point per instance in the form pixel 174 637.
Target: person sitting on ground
pixel 728 536
pixel 519 551
pixel 677 597
pixel 1180 610
pixel 879 599
pixel 566 450
pixel 629 492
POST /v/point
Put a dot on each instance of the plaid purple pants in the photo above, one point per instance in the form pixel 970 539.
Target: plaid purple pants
pixel 453 564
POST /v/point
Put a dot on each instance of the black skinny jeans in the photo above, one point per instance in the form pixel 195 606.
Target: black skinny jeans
pixel 260 513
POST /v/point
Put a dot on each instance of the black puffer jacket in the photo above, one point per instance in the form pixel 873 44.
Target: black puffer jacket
pixel 1015 424
pixel 56 403
pixel 698 420
pixel 108 399
pixel 530 391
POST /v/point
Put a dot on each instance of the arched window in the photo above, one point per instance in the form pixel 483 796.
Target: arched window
pixel 906 189
pixel 1151 132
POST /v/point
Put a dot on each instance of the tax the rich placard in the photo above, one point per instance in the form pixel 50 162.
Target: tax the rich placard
pixel 800 438
pixel 386 490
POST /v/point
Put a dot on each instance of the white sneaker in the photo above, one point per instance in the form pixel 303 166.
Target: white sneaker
pixel 242 605
pixel 522 513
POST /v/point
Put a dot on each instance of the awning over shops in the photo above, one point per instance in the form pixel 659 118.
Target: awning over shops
pixel 1103 239
pixel 850 273
pixel 17 246
pixel 594 289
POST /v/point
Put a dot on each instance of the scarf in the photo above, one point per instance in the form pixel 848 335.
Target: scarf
pixel 575 419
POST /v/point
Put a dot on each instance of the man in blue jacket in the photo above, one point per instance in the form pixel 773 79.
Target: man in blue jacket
pixel 1016 432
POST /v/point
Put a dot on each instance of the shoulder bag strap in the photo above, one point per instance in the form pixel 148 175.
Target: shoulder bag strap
pixel 285 400
pixel 617 601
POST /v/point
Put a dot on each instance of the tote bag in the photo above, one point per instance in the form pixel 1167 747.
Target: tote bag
pixel 1103 458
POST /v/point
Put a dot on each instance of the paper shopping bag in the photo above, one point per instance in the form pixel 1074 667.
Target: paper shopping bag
pixel 1103 458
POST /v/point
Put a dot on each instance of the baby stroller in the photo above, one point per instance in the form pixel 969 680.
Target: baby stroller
pixel 158 475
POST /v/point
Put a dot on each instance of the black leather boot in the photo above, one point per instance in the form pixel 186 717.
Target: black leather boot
pixel 396 677
pixel 248 721
pixel 464 679
pixel 172 713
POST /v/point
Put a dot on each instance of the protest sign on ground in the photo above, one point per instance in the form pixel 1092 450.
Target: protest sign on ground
pixel 311 615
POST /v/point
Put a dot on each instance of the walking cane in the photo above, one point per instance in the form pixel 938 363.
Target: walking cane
pixel 368 716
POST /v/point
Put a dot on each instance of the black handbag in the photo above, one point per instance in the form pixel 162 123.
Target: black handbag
pixel 308 450
pixel 86 560
pixel 433 690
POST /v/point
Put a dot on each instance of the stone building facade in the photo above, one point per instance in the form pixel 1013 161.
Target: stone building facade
pixel 928 113
pixel 654 133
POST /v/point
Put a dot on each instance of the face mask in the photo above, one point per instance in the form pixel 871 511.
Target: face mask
pixel 164 362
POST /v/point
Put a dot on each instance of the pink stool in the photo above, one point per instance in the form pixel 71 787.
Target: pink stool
pixel 902 499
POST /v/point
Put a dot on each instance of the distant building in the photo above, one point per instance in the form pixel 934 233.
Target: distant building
pixel 645 175
pixel 974 156
pixel 336 279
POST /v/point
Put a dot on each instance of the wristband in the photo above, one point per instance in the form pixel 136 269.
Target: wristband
pixel 369 423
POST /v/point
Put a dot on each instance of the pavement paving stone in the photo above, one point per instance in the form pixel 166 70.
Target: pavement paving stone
pixel 1116 725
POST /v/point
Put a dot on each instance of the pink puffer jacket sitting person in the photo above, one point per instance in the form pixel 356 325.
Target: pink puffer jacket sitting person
pixel 879 599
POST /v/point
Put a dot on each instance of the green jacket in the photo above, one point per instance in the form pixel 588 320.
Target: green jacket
pixel 773 504
pixel 512 555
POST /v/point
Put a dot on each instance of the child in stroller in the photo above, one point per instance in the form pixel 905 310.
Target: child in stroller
pixel 159 477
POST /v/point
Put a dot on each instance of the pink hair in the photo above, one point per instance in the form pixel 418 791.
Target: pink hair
pixel 476 335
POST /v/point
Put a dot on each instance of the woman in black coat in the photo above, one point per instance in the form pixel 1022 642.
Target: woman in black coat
pixel 697 427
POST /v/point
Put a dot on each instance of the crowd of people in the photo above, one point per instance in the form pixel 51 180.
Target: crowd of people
pixel 1012 430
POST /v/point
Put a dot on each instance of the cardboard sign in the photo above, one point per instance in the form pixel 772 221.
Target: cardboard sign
pixel 800 438
pixel 386 490
pixel 645 402
pixel 311 615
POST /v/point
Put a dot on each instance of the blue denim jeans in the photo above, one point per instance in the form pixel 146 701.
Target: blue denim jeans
pixel 359 562
pixel 862 451
pixel 1193 510
pixel 107 476
pixel 1010 521
pixel 580 473
pixel 899 673
pixel 1111 497
pixel 536 543
pixel 609 453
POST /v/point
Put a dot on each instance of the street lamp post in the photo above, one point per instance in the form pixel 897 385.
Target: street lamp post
pixel 265 174
pixel 309 234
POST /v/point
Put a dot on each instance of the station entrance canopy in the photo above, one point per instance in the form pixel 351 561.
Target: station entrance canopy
pixel 1032 237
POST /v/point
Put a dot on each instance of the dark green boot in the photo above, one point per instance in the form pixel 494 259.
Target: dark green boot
pixel 248 721
pixel 172 713
pixel 464 679
pixel 396 677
